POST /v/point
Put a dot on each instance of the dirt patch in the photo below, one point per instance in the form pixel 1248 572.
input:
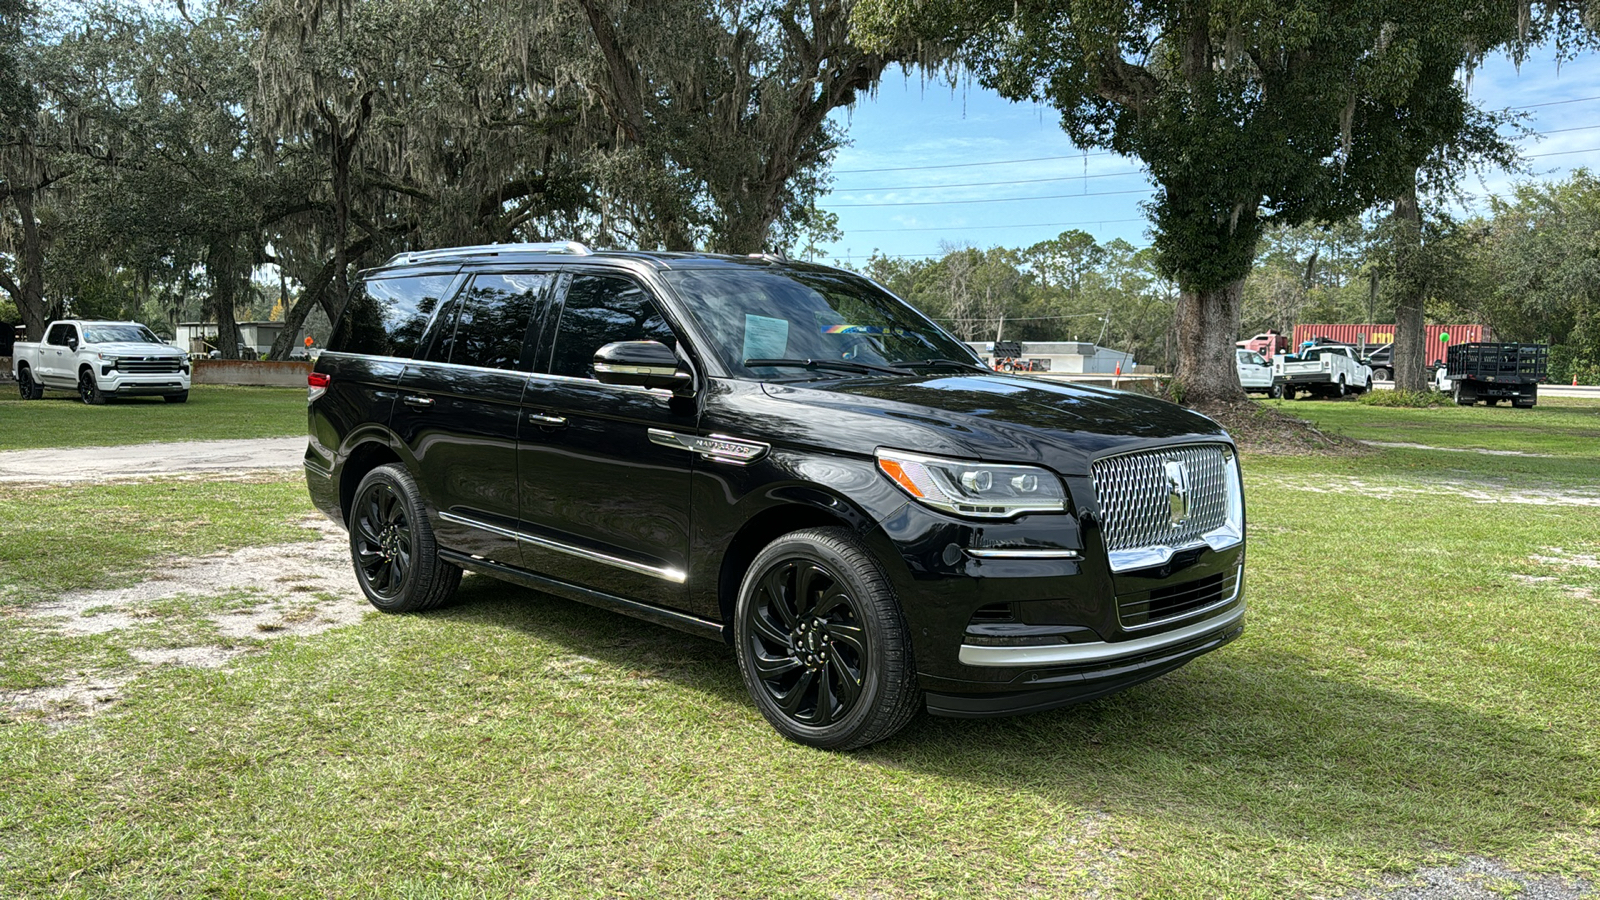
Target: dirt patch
pixel 1264 430
pixel 140 461
pixel 1410 446
pixel 1477 878
pixel 1474 491
pixel 236 599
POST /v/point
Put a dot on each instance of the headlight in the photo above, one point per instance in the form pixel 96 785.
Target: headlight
pixel 976 489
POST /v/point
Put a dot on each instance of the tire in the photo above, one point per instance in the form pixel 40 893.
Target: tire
pixel 1381 375
pixel 1368 386
pixel 1275 392
pixel 813 603
pixel 1340 390
pixel 89 389
pixel 180 397
pixel 1288 392
pixel 30 389
pixel 392 547
pixel 1465 396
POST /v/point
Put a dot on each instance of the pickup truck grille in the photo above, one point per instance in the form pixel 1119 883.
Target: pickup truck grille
pixel 148 365
pixel 1136 496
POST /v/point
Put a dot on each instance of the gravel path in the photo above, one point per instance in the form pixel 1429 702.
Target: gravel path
pixel 136 461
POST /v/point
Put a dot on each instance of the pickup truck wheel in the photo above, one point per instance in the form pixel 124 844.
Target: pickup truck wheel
pixel 181 397
pixel 30 389
pixel 1275 392
pixel 1339 389
pixel 391 544
pixel 1380 375
pixel 89 389
pixel 821 643
pixel 1288 392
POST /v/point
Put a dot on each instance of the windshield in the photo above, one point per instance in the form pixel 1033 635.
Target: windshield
pixel 106 333
pixel 826 316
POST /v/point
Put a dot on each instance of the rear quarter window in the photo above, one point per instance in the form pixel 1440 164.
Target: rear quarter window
pixel 388 316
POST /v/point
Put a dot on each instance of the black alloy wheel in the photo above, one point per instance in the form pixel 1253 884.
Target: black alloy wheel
pixel 26 385
pixel 821 643
pixel 89 390
pixel 391 544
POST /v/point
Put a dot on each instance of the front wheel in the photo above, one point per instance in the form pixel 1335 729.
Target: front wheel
pixel 391 544
pixel 89 389
pixel 1275 392
pixel 821 643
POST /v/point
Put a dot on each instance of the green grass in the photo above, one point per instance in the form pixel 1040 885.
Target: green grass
pixel 71 537
pixel 1559 426
pixel 1422 690
pixel 213 412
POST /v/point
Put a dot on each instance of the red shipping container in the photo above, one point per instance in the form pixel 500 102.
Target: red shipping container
pixel 1378 335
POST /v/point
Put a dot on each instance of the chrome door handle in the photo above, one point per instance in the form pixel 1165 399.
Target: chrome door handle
pixel 550 421
pixel 418 401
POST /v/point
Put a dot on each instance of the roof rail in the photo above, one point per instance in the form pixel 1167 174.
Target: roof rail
pixel 567 247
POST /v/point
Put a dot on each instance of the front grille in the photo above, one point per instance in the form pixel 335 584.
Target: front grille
pixel 1136 492
pixel 148 365
pixel 1174 601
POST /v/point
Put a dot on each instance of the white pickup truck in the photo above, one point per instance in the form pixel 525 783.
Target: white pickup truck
pixel 101 361
pixel 1332 370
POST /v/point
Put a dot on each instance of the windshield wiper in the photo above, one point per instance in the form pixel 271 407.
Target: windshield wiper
pixel 937 362
pixel 841 365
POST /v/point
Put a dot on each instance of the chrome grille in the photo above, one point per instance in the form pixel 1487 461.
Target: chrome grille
pixel 1135 496
pixel 148 365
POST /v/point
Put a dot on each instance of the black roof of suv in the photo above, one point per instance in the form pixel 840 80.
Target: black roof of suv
pixel 780 455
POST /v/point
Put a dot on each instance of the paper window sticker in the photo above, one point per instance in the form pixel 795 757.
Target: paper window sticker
pixel 765 337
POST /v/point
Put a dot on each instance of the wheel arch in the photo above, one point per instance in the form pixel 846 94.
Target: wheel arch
pixel 796 508
pixel 362 458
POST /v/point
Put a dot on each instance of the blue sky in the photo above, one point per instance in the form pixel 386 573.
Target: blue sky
pixel 914 148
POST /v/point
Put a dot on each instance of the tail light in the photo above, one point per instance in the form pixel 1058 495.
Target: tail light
pixel 317 385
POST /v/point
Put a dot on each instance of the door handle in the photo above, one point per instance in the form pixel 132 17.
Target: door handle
pixel 548 421
pixel 412 400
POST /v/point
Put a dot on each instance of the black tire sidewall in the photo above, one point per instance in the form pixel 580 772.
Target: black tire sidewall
pixel 803 545
pixel 409 597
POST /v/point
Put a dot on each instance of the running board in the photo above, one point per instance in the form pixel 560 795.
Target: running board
pixel 681 621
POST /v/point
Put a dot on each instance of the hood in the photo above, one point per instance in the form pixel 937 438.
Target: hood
pixel 1004 418
pixel 136 348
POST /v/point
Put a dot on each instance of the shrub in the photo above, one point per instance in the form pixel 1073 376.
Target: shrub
pixel 1413 399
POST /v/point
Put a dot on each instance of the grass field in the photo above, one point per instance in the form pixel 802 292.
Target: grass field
pixel 1419 681
pixel 213 412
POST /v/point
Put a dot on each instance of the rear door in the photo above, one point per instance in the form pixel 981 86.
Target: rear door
pixel 459 409
pixel 603 504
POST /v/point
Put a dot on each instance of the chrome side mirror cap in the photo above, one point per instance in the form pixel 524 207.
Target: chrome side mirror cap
pixel 648 364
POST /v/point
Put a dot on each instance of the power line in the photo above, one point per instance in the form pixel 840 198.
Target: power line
pixel 1552 103
pixel 1560 153
pixel 988 199
pixel 986 227
pixel 997 162
pixel 923 187
pixel 1565 130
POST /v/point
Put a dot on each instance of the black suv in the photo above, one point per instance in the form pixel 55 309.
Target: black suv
pixel 779 455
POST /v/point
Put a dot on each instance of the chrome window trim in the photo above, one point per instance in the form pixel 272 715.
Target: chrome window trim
pixel 1022 553
pixel 676 576
pixel 1096 652
pixel 595 382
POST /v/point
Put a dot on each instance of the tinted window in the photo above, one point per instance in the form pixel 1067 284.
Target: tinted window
pixel 492 318
pixel 386 316
pixel 600 309
pixel 59 334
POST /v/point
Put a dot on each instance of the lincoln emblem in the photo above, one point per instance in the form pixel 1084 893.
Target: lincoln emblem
pixel 1178 490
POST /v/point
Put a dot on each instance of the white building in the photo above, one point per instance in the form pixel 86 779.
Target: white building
pixel 201 337
pixel 1070 357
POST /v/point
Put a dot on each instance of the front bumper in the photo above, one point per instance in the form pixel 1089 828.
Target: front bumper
pixel 124 384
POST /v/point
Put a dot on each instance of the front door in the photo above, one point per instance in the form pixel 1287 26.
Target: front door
pixel 603 505
pixel 57 358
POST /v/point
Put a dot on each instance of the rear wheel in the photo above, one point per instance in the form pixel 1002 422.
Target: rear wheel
pixel 1380 375
pixel 30 389
pixel 89 389
pixel 1288 392
pixel 391 544
pixel 1465 395
pixel 822 645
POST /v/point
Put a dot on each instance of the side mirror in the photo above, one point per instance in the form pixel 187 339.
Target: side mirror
pixel 649 364
pixel 72 342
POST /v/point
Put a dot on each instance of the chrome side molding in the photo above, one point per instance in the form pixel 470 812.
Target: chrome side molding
pixel 676 576
pixel 717 447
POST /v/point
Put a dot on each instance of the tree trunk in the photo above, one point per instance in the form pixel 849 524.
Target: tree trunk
pixel 1207 323
pixel 1410 356
pixel 36 312
pixel 314 294
pixel 222 269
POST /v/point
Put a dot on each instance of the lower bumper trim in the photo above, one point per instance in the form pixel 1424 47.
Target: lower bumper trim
pixel 1097 652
